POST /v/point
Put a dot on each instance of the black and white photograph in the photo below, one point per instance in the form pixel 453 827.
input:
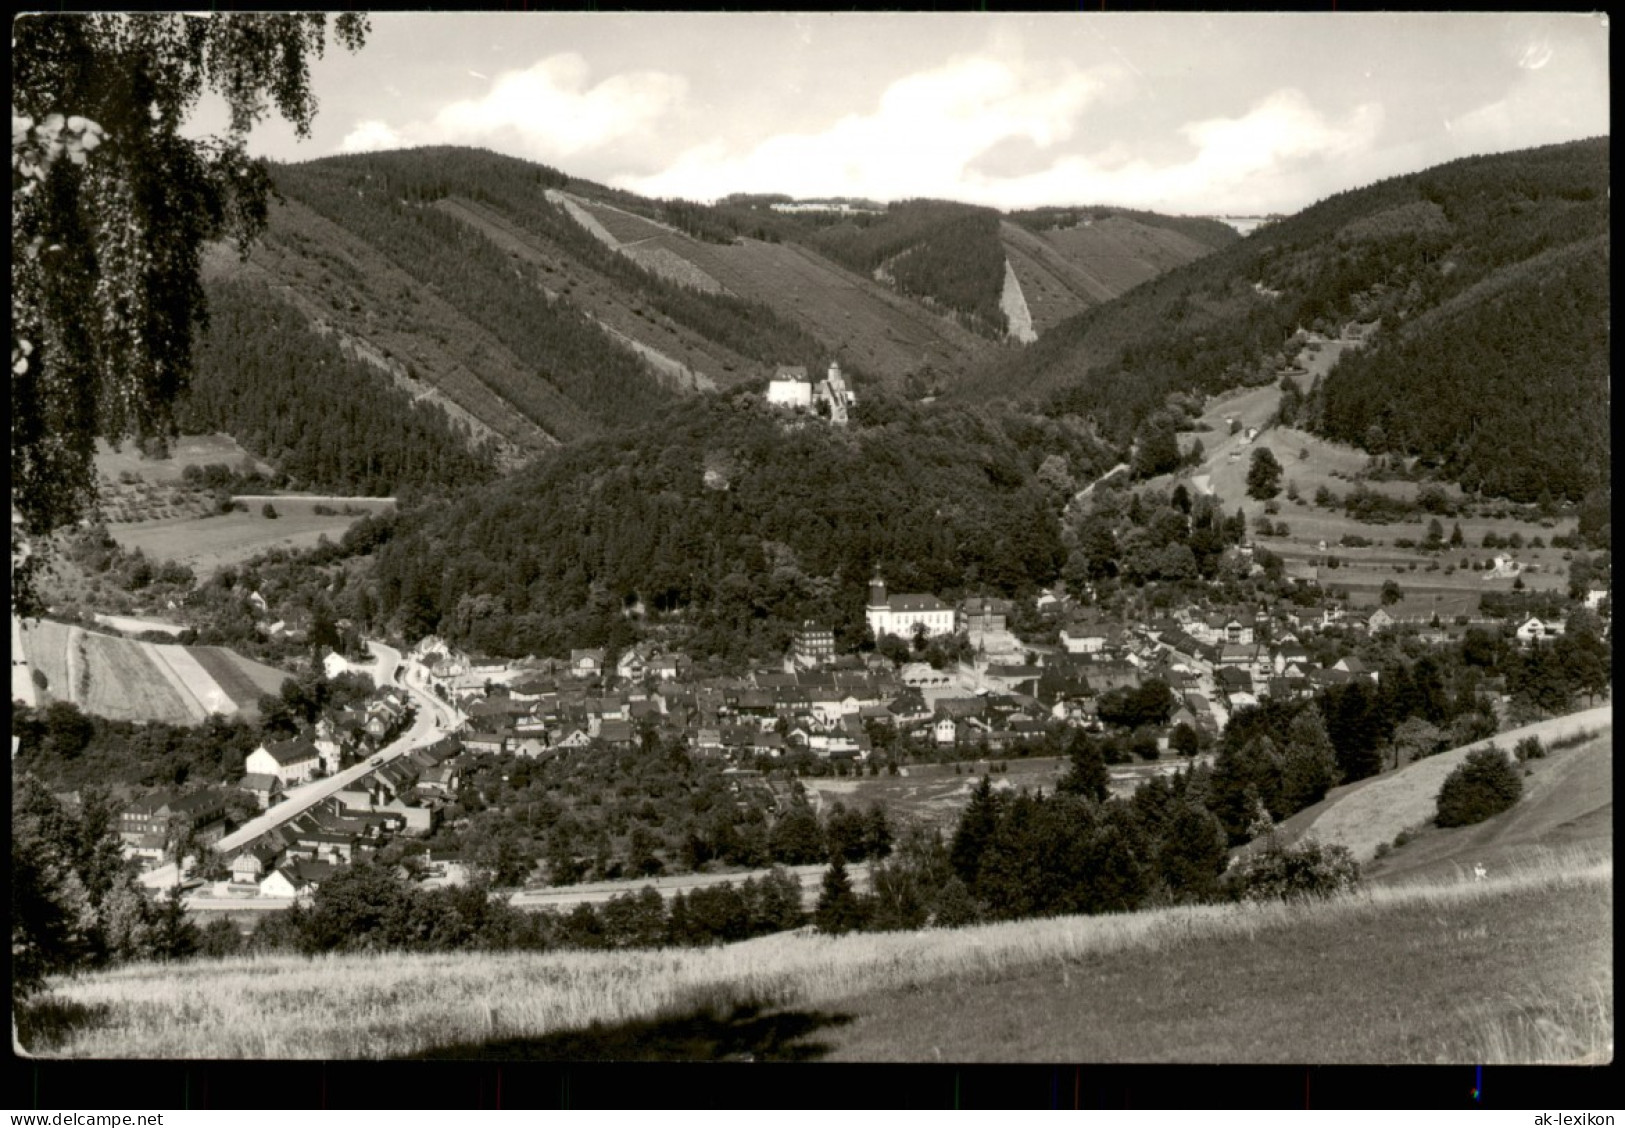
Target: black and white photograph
pixel 812 537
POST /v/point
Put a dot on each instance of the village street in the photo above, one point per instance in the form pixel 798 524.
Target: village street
pixel 432 721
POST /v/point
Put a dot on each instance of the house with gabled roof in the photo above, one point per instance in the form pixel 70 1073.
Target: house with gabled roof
pixel 297 880
pixel 586 664
pixel 1535 629
pixel 291 761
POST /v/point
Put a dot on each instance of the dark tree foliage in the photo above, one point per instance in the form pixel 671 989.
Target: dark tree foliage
pixel 329 422
pixel 111 207
pixel 1449 239
pixel 1358 728
pixel 1191 852
pixel 947 253
pixel 1149 703
pixel 1487 389
pixel 1486 783
pixel 1264 474
pixel 549 558
pixel 1086 773
pixel 70 750
pixel 839 909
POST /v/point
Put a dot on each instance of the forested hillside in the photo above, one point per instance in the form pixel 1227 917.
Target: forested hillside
pixel 730 526
pixel 1451 237
pixel 947 253
pixel 331 423
pixel 1506 388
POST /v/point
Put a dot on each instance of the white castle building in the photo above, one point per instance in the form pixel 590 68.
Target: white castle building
pixel 900 614
pixel 790 387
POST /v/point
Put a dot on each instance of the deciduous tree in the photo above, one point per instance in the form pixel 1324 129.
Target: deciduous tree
pixel 112 204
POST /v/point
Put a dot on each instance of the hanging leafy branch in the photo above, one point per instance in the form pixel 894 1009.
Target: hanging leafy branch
pixel 106 245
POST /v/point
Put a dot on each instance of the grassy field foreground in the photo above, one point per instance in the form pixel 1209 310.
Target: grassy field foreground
pixel 1514 969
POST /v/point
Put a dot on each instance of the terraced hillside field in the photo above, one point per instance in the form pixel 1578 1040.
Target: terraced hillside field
pixel 684 357
pixel 425 344
pixel 862 321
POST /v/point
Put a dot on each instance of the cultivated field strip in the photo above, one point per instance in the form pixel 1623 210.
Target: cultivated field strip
pixel 387 1005
pixel 229 674
pixel 46 644
pixel 128 683
pixel 191 680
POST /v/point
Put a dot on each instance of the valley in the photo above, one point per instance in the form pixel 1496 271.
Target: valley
pixel 984 675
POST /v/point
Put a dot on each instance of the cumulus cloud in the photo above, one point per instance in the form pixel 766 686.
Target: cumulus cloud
pixel 941 132
pixel 1555 97
pixel 920 138
pixel 549 111
pixel 369 136
pixel 1266 159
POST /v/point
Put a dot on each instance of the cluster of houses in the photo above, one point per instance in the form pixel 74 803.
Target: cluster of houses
pixel 154 825
pixel 339 738
pixel 817 702
pixel 403 797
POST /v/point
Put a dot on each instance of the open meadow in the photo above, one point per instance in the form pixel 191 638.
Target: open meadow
pixel 188 450
pixel 1367 814
pixel 935 795
pixel 207 544
pixel 1514 969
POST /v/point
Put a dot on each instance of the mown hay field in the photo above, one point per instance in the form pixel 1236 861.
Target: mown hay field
pixel 242 679
pixel 126 680
pixel 1364 815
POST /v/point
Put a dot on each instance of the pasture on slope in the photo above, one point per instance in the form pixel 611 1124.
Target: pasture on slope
pixel 1367 814
pixel 1309 462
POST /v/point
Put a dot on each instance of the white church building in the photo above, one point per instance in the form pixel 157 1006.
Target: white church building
pixel 900 614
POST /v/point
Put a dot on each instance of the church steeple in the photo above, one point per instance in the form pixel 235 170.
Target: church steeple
pixel 877 591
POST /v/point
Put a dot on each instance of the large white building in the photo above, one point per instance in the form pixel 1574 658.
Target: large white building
pixel 790 387
pixel 900 614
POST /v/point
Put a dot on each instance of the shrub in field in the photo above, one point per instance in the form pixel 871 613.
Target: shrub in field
pixel 1485 784
pixel 1308 869
pixel 1530 748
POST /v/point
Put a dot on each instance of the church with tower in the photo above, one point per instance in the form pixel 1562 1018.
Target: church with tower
pixel 900 614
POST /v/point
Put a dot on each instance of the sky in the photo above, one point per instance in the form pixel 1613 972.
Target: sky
pixel 1196 113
